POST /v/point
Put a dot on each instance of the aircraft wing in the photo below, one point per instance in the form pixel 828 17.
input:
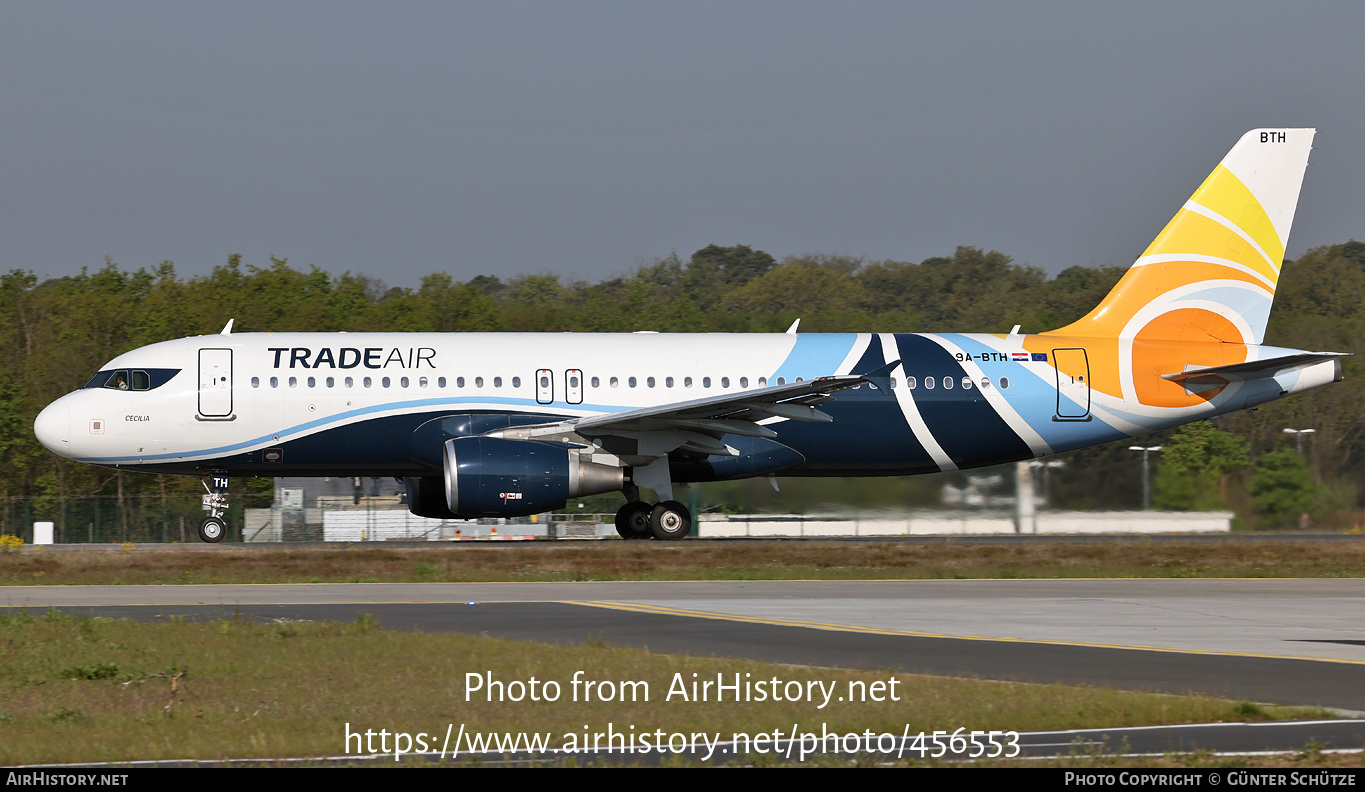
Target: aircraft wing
pixel 698 425
pixel 735 413
pixel 1255 369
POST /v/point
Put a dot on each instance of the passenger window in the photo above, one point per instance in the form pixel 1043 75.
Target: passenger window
pixel 910 383
pixel 743 382
pixel 1004 383
pixel 255 382
pixel 985 383
pixel 331 382
pixel 596 382
pixel 312 382
pixel 649 381
pixel 459 382
pixel 350 382
pixel 762 382
pixel 422 382
pixel 929 383
pixel 293 382
pixel 440 382
pixel 631 382
pixel 947 383
pixel 668 382
pixel 478 382
pixel 369 382
pixel 386 382
pixel 706 382
pixel 966 383
pixel 780 380
pixel 274 382
pixel 687 382
pixel 893 383
pixel 615 382
pixel 403 382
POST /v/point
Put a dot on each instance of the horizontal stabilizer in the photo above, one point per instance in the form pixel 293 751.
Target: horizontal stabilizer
pixel 1254 369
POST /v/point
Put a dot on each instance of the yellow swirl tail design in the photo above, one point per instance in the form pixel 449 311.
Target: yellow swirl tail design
pixel 1211 273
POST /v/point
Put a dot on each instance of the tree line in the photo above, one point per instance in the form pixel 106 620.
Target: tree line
pixel 54 334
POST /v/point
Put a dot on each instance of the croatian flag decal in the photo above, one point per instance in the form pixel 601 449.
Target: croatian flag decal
pixel 1020 356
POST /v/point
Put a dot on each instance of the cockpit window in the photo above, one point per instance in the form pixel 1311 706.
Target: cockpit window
pixel 118 380
pixel 132 379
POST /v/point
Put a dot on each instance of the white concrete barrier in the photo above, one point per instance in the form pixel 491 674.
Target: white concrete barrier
pixel 946 523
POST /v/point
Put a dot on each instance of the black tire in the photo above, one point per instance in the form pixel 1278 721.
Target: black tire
pixel 670 521
pixel 632 520
pixel 212 530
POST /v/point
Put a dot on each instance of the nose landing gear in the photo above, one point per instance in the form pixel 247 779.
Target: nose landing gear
pixel 214 527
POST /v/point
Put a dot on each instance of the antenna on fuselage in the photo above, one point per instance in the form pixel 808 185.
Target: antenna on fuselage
pixel 792 330
pixel 227 328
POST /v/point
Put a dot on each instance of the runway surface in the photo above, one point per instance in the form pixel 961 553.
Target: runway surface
pixel 1280 641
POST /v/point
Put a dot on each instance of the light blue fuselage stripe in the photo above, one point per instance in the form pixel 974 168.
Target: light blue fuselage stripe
pixel 815 355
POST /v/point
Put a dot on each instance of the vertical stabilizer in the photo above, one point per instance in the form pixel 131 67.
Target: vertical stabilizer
pixel 1211 273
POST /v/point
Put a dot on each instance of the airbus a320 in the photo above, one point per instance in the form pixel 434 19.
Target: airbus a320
pixel 509 424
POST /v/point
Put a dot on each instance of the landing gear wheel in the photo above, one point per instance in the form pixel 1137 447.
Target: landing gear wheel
pixel 670 521
pixel 212 530
pixel 632 520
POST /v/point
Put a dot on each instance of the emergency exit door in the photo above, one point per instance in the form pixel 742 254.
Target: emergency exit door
pixel 573 386
pixel 545 386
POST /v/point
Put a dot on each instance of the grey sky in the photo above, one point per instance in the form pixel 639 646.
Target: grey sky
pixel 583 139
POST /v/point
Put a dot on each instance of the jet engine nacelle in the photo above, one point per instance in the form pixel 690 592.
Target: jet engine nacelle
pixel 497 477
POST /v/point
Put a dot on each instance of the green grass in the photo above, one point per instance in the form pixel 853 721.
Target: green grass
pixel 83 690
pixel 614 560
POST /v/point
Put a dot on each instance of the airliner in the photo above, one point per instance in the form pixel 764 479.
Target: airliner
pixel 509 424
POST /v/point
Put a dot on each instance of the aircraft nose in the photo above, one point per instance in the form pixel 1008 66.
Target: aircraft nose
pixel 53 427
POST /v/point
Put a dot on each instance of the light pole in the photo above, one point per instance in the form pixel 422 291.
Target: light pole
pixel 1047 468
pixel 1298 437
pixel 1146 477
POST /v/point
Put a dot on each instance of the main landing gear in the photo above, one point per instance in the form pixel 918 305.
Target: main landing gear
pixel 666 521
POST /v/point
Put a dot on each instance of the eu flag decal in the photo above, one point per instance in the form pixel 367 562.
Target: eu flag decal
pixel 1040 356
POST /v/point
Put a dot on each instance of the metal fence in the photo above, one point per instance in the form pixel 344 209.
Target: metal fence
pixel 137 518
pixel 144 519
